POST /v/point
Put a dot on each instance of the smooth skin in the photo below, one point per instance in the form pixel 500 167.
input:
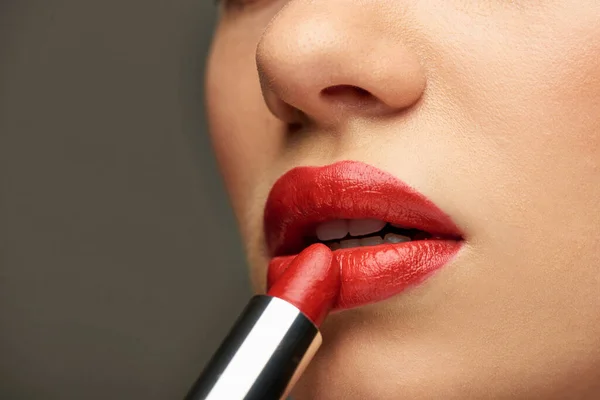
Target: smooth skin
pixel 491 109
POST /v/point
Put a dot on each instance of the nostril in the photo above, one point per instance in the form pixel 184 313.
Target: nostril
pixel 346 93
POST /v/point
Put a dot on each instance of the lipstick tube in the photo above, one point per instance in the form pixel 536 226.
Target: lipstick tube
pixel 276 336
pixel 264 354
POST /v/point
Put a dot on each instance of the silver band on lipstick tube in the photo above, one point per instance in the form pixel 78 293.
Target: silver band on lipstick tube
pixel 263 355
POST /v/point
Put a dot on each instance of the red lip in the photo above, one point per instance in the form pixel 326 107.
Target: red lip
pixel 307 196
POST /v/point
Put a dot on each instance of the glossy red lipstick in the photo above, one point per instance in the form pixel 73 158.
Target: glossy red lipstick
pixel 311 283
pixel 276 335
pixel 304 197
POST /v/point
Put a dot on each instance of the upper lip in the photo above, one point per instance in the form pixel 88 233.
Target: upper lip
pixel 306 196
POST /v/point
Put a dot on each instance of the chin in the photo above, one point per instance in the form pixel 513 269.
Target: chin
pixel 376 352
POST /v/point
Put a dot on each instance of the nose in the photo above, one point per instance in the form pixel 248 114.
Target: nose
pixel 334 60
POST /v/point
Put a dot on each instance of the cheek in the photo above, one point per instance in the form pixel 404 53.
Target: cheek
pixel 246 138
pixel 243 132
pixel 531 108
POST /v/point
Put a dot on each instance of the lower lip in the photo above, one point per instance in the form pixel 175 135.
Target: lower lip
pixel 375 273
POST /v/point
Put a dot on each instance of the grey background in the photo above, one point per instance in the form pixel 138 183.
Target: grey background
pixel 120 265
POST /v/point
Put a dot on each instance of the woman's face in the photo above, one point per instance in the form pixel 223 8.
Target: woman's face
pixel 488 108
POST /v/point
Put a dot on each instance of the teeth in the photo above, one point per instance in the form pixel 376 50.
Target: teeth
pixel 360 227
pixel 341 228
pixel 368 241
pixel 331 230
pixel 393 238
pixel 371 241
pixel 345 244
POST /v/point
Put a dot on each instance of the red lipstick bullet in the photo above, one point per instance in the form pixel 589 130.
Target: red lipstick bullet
pixel 276 335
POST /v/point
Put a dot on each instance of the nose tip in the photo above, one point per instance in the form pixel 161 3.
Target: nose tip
pixel 333 66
